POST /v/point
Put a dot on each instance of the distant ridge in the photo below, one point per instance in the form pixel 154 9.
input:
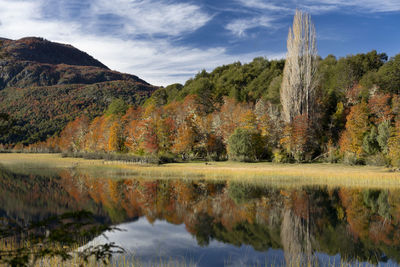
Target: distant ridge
pixel 34 61
pixel 43 51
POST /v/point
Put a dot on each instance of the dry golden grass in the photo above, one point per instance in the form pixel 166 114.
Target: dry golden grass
pixel 332 175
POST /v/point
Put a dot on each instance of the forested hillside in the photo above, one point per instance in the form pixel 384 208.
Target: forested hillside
pixel 44 85
pixel 235 112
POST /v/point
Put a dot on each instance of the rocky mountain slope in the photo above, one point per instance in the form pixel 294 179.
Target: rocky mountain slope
pixel 44 85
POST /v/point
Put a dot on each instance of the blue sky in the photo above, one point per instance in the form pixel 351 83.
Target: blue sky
pixel 167 41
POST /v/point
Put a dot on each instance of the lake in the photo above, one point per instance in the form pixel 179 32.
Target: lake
pixel 198 222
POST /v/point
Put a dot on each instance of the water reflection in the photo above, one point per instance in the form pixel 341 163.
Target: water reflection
pixel 162 240
pixel 218 223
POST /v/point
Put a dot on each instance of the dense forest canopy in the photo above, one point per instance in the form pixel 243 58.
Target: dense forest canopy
pixel 358 110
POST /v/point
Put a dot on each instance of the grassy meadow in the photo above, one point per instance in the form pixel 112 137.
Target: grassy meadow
pixel 264 172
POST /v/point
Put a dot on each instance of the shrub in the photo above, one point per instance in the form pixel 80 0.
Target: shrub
pixel 278 156
pixel 378 159
pixel 352 159
pixel 245 145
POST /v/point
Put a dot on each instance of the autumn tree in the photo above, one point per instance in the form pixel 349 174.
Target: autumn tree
pixel 166 133
pixel 115 140
pixel 97 136
pixel 357 126
pixel 269 122
pixel 228 118
pixel 186 138
pixel 150 142
pixel 73 136
pixel 379 106
pixel 248 120
pixel 215 147
pixel 394 144
pixel 299 82
pixel 297 140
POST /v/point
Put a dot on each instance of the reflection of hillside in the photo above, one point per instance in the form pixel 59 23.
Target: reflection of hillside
pixel 358 224
pixel 27 197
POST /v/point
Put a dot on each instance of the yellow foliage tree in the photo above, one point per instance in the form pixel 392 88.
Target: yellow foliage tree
pixel 356 126
pixel 115 139
pixel 394 145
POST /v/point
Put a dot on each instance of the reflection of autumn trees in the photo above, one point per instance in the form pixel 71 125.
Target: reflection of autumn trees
pixel 358 224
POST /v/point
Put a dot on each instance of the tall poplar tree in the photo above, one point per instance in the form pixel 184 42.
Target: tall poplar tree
pixel 299 75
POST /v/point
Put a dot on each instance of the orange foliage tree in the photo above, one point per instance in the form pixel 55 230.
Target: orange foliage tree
pixel 356 126
pixel 115 140
pixel 297 138
pixel 132 129
pixel 73 136
pixel 379 106
pixel 186 138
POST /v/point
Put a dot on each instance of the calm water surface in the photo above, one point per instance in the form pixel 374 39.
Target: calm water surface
pixel 215 223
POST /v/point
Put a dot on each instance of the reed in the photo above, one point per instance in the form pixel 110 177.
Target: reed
pixel 289 175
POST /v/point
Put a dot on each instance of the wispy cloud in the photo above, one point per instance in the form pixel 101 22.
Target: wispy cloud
pixel 370 6
pixel 263 10
pixel 153 17
pixel 322 6
pixel 240 26
pixel 267 5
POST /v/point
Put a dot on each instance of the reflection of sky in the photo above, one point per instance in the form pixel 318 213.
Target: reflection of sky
pixel 150 242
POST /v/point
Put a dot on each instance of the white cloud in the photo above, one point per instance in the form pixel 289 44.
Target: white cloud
pixel 155 60
pixel 240 26
pixel 154 17
pixel 23 18
pixel 159 62
pixel 322 6
pixel 264 10
pixel 264 5
pixel 360 5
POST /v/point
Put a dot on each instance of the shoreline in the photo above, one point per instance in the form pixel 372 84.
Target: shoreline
pixel 318 174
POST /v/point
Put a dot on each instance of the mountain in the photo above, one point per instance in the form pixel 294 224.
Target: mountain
pixel 37 62
pixel 44 85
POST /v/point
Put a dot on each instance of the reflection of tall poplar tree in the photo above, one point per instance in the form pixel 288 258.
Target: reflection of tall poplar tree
pixel 299 75
pixel 297 239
